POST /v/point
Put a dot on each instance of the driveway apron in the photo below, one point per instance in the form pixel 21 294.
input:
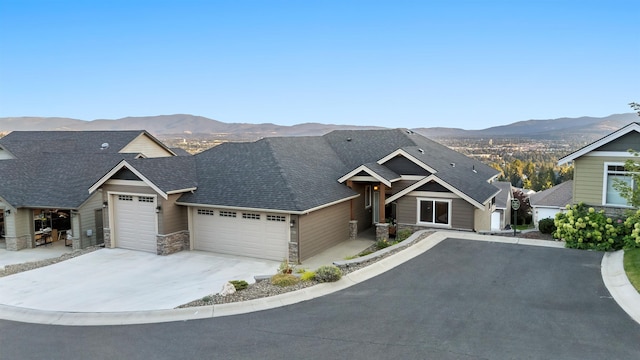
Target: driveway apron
pixel 111 280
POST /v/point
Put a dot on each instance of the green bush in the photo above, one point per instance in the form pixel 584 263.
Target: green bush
pixel 632 225
pixel 239 284
pixel 284 280
pixel 381 244
pixel 328 273
pixel 547 226
pixel 207 299
pixel 308 275
pixel 583 228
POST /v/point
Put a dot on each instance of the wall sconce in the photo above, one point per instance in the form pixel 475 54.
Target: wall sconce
pixel 292 223
pixel 8 211
pixel 375 188
pixel 158 209
pixel 105 204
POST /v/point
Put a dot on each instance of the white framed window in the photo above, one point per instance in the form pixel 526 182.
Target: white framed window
pixel 613 172
pixel 251 216
pixel 367 196
pixel 434 212
pixel 205 212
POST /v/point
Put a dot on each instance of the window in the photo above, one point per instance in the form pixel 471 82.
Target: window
pixel 434 212
pixel 147 199
pixel 276 218
pixel 125 197
pixel 205 212
pixel 228 214
pixel 367 196
pixel 615 172
pixel 251 216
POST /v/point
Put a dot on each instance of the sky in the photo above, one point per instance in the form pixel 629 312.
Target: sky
pixel 463 64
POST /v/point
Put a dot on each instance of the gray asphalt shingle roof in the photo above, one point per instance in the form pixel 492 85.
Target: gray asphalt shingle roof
pixel 300 173
pixel 505 190
pixel 168 173
pixel 556 196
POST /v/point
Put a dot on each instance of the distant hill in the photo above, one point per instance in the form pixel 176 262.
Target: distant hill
pixel 583 128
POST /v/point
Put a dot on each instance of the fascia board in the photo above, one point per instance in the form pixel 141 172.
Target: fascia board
pixel 594 145
pixel 408 156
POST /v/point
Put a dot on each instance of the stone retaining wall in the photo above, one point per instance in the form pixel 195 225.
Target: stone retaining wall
pixel 172 243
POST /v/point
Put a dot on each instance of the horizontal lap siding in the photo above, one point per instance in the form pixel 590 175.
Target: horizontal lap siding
pixel 589 177
pixel 323 229
pixel 173 217
pixel 462 212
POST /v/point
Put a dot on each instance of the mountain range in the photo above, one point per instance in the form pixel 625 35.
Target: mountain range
pixel 582 128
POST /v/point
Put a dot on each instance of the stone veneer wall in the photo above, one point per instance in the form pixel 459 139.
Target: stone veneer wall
pixel 18 243
pixel 612 212
pixel 107 237
pixel 353 229
pixel 172 243
pixel 382 231
pixel 293 253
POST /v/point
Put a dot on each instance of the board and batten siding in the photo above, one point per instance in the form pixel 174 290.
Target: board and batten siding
pixel 588 176
pixel 144 145
pixel 173 218
pixel 462 213
pixel 323 229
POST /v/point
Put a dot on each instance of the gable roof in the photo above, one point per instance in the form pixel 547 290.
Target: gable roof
pixel 53 180
pixel 557 196
pixel 27 143
pixel 634 126
pixel 299 174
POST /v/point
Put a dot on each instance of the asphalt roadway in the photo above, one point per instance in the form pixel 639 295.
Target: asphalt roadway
pixel 460 300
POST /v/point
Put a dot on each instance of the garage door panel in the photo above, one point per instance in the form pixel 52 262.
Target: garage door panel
pixel 135 223
pixel 241 236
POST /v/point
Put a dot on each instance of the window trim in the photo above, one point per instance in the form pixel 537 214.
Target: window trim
pixel 368 196
pixel 434 224
pixel 605 183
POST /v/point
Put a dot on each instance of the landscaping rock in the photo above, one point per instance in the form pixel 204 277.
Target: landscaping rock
pixel 227 289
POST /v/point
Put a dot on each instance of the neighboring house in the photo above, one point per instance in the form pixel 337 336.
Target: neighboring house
pixel 598 164
pixel 44 177
pixel 547 203
pixel 501 216
pixel 293 197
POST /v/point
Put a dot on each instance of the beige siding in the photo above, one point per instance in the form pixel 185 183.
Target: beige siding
pixel 23 222
pixel 173 217
pixel 482 218
pixel 146 146
pixel 406 210
pixel 324 228
pixel 87 219
pixel 462 215
pixel 589 178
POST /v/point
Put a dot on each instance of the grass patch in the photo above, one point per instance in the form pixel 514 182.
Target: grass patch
pixel 632 266
pixel 524 227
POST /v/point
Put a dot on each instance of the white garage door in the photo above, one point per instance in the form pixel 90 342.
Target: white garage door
pixel 135 222
pixel 259 235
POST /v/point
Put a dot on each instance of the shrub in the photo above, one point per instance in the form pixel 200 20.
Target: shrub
pixel 207 299
pixel 284 280
pixel 547 226
pixel 328 273
pixel 403 235
pixel 308 275
pixel 286 267
pixel 583 228
pixel 383 243
pixel 632 225
pixel 239 284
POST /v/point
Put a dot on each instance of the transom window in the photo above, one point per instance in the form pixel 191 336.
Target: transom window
pixel 276 218
pixel 251 216
pixel 616 172
pixel 205 212
pixel 434 212
pixel 228 214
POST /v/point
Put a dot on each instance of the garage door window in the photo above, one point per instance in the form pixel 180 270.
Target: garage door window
pixel 125 197
pixel 231 214
pixel 147 199
pixel 251 216
pixel 205 212
pixel 276 218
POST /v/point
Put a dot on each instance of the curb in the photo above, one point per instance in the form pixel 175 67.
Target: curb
pixel 616 281
pixel 13 313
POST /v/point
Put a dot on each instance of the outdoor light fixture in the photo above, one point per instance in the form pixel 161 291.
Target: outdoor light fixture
pixel 292 223
pixel 105 204
pixel 158 208
pixel 375 188
pixel 8 212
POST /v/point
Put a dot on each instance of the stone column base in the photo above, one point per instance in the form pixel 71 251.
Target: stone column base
pixel 353 229
pixel 382 231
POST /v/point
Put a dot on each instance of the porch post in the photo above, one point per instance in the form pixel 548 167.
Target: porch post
pixel 382 197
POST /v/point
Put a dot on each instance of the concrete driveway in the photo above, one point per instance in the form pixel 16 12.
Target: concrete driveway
pixel 111 280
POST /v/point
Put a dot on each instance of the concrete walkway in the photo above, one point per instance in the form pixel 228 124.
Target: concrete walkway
pixel 611 264
pixel 53 250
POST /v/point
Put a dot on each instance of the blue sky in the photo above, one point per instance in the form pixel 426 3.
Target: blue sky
pixel 466 64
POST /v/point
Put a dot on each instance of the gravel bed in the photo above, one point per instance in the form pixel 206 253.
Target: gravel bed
pixel 17 268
